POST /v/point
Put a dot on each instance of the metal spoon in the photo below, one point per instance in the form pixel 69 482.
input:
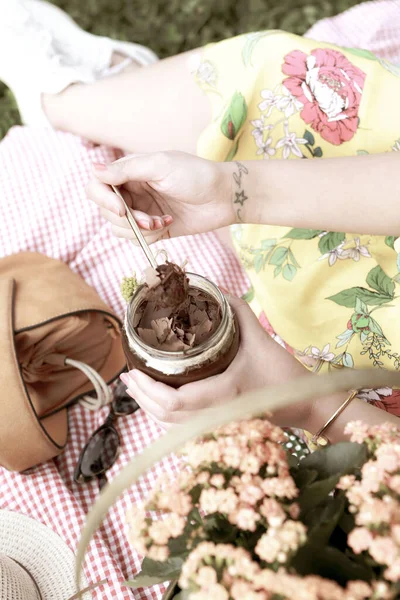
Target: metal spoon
pixel 136 230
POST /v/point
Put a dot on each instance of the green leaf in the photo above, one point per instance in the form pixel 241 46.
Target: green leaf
pixel 376 328
pixel 178 545
pixel 330 241
pixel 362 152
pixel 396 278
pixel 390 240
pixel 303 477
pixel 238 110
pixel 338 359
pixel 398 262
pixel 234 116
pixel 360 52
pixel 347 522
pixel 266 244
pixel 278 257
pixel 379 281
pixel 218 529
pixel 289 272
pixel 251 42
pixel 309 137
pixel 340 459
pixel 277 271
pixel 303 234
pixel 360 307
pixel 344 338
pixel 317 152
pixel 316 492
pixel 258 262
pixel 154 572
pixel 144 581
pixel 195 516
pixel 329 562
pixel 292 259
pixel 182 595
pixel 393 69
pixel 348 360
pixel 171 566
pixel 323 519
pixel 249 295
pixel 348 297
pixel 232 152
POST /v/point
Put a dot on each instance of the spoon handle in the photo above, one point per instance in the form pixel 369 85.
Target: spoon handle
pixel 136 230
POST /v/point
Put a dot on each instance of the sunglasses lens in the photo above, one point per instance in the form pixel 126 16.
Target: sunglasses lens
pixel 100 453
pixel 124 405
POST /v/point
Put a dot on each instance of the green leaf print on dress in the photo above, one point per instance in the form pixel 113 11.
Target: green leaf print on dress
pixel 249 295
pixel 315 152
pixel 303 234
pixel 379 281
pixel 393 69
pixel 362 324
pixel 289 271
pixel 386 64
pixel 348 297
pixel 234 116
pixel 376 279
pixel 361 52
pixel 271 252
pixel 390 240
pixel 330 241
pixel 251 41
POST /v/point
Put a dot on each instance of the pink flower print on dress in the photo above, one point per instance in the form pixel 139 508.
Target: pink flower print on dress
pixel 330 88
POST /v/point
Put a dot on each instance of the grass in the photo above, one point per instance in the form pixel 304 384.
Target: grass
pixel 173 26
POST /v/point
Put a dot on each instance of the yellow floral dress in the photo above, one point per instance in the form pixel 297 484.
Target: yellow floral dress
pixel 332 296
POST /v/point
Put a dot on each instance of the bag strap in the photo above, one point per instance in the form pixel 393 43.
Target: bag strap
pixel 24 439
pixel 103 392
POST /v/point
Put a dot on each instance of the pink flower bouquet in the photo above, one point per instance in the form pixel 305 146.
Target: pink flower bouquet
pixel 245 520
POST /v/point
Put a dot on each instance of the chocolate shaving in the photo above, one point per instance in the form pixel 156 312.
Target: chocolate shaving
pixel 175 317
pixel 168 285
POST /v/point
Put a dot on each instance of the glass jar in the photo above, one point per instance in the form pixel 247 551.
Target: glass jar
pixel 211 357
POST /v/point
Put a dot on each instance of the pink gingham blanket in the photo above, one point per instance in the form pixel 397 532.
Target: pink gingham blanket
pixel 44 209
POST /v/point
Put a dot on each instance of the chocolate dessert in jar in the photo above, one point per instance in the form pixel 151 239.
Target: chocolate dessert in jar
pixel 179 327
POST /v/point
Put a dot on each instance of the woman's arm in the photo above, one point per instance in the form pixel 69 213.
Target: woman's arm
pixel 358 410
pixel 172 193
pixel 359 194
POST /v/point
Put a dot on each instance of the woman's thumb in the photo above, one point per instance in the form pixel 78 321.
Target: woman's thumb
pixel 135 167
pixel 248 322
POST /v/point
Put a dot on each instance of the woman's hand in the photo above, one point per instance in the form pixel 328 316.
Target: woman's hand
pixel 260 361
pixel 167 191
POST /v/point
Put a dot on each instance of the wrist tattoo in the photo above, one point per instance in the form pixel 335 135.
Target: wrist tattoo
pixel 239 194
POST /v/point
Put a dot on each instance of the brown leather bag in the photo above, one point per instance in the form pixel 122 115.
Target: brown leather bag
pixel 47 313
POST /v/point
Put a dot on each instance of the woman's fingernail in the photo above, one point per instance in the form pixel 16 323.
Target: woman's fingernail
pixel 99 166
pixel 144 224
pixel 158 224
pixel 116 209
pixel 139 378
pixel 132 374
pixel 167 219
pixel 124 378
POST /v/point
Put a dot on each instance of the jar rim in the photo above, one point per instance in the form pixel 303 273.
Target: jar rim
pixel 195 350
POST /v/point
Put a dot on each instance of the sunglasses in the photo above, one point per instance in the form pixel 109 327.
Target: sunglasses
pixel 101 451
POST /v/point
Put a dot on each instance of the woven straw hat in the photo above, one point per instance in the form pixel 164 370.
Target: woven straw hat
pixel 35 563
